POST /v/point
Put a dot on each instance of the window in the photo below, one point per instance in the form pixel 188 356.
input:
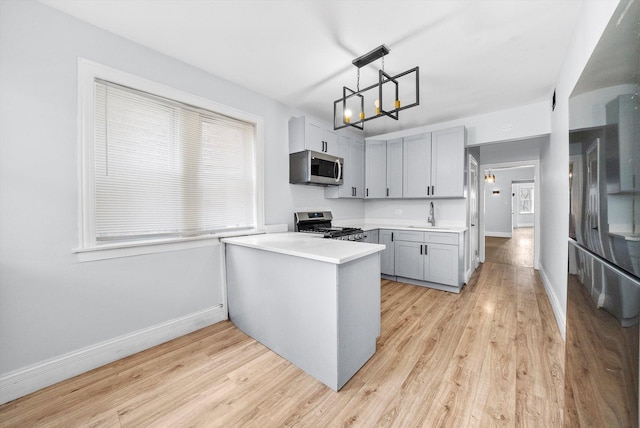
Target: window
pixel 160 165
pixel 525 200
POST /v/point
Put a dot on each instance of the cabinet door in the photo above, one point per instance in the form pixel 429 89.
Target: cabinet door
pixel 387 257
pixel 394 168
pixel 416 166
pixel 315 133
pixel 409 259
pixel 441 264
pixel 352 151
pixel 346 190
pixel 371 236
pixel 357 167
pixel 331 141
pixel 375 169
pixel 447 162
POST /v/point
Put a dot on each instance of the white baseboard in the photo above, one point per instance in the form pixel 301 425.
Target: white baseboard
pixel 32 378
pixel 558 310
pixel 498 234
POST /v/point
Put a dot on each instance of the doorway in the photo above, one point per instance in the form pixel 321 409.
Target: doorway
pixel 509 221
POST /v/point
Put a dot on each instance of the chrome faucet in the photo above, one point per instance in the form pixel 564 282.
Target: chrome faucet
pixel 432 216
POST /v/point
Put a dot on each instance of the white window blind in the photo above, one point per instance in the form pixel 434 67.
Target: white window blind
pixel 164 168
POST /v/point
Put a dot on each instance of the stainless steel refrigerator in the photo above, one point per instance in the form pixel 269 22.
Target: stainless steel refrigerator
pixel 603 295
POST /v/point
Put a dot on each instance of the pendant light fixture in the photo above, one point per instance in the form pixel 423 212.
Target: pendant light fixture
pixel 375 102
pixel 489 178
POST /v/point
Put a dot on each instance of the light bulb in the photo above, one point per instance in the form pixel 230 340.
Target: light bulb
pixel 377 104
pixel 347 116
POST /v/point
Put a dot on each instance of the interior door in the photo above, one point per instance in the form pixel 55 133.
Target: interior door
pixel 473 213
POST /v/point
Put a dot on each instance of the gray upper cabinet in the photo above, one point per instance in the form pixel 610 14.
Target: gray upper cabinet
pixel 394 168
pixel 416 173
pixel 351 149
pixel 383 169
pixel 447 162
pixel 309 134
pixel 375 169
pixel 418 166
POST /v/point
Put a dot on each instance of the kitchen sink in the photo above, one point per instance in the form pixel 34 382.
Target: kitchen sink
pixel 427 227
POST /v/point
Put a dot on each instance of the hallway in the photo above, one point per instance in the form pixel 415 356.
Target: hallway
pixel 515 251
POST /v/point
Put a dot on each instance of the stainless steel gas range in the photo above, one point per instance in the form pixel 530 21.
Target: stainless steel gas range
pixel 319 222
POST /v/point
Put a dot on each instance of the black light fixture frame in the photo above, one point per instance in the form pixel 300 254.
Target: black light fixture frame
pixel 383 78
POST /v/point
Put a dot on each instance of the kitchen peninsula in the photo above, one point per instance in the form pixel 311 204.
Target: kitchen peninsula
pixel 313 301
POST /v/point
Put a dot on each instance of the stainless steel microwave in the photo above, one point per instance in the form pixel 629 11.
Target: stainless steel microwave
pixel 309 167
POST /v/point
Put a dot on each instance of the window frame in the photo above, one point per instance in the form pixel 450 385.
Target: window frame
pixel 89 248
pixel 530 199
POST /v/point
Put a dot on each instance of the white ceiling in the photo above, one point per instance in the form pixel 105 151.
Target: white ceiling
pixel 475 56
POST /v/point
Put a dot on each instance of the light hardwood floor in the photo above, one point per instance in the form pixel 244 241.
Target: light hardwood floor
pixel 489 356
pixel 517 250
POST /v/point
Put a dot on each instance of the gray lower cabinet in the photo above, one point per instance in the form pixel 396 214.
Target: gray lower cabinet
pixel 410 260
pixel 387 257
pixel 371 236
pixel 432 259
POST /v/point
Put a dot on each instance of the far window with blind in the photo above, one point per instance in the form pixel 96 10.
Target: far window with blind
pixel 164 169
pixel 526 200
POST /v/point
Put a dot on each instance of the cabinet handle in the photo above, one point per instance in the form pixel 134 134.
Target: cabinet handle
pixel 391 236
pixel 425 250
pixel 387 192
pixel 367 192
pixel 433 191
pixel 428 190
pixel 420 249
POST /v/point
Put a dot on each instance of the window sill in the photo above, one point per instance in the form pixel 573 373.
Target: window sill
pixel 129 249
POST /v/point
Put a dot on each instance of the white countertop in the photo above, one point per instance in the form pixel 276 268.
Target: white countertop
pixel 416 227
pixel 309 246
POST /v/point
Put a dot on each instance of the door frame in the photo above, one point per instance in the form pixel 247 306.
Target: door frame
pixel 474 256
pixel 536 205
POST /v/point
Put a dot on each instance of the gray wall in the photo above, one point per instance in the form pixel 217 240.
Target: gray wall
pixel 554 155
pixel 51 304
pixel 512 151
